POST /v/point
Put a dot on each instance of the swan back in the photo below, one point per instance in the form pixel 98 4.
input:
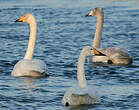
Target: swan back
pixel 117 55
pixel 80 96
pixel 114 55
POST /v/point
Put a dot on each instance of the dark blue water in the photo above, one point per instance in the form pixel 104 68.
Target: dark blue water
pixel 63 30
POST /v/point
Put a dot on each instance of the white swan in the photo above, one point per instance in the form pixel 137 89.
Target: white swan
pixel 30 67
pixel 110 55
pixel 82 94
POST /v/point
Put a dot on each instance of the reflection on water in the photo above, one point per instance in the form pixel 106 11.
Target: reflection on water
pixel 63 30
pixel 81 107
pixel 29 85
pixel 30 82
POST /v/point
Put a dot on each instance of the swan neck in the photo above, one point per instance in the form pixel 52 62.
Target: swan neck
pixel 80 70
pixel 32 40
pixel 98 33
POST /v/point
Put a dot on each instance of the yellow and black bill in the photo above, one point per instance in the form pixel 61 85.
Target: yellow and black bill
pixel 20 20
pixel 98 53
pixel 88 14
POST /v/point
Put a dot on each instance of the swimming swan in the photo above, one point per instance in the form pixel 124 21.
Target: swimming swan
pixel 82 94
pixel 110 55
pixel 30 67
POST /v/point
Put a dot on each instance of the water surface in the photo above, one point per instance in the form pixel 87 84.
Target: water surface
pixel 63 30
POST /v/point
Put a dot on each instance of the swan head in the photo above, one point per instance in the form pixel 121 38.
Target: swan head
pixel 96 12
pixel 88 51
pixel 27 18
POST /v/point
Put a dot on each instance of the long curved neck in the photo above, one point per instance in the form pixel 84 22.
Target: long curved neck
pixel 80 70
pixel 98 33
pixel 32 40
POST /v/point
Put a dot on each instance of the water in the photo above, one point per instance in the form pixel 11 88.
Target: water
pixel 63 30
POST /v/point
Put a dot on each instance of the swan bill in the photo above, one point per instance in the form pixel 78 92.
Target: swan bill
pixel 20 20
pixel 97 53
pixel 87 15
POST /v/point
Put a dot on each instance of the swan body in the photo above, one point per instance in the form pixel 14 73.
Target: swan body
pixel 113 55
pixel 82 94
pixel 28 66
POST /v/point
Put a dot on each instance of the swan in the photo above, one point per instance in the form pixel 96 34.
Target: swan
pixel 110 55
pixel 29 67
pixel 82 94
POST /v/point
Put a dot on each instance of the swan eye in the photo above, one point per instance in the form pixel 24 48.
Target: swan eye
pixel 66 104
pixel 26 17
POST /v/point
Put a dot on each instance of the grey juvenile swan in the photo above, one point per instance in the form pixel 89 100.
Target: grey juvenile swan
pixel 110 55
pixel 30 67
pixel 82 94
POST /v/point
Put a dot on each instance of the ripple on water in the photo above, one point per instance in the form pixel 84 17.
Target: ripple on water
pixel 63 30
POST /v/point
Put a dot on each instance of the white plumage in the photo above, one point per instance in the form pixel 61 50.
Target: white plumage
pixel 113 55
pixel 30 67
pixel 82 94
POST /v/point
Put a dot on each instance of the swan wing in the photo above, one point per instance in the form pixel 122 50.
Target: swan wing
pixel 38 65
pixel 114 52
